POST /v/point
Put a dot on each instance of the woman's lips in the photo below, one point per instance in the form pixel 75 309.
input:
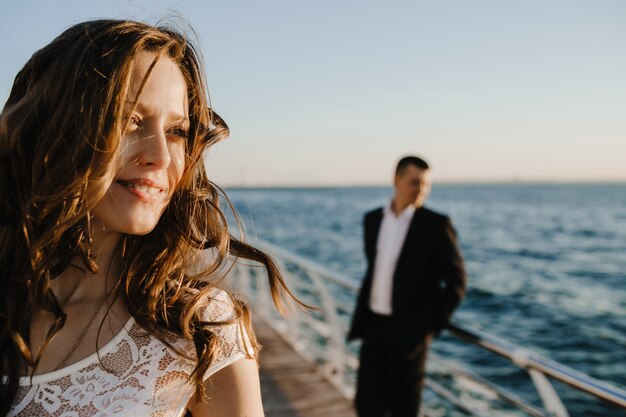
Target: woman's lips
pixel 146 190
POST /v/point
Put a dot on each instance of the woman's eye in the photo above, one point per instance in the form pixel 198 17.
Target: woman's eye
pixel 134 123
pixel 180 132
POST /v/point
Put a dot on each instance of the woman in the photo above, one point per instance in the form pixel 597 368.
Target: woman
pixel 112 239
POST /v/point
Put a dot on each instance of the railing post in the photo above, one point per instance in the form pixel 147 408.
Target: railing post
pixel 551 400
pixel 336 364
pixel 241 283
pixel 292 320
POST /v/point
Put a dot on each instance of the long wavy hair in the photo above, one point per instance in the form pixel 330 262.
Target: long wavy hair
pixel 60 131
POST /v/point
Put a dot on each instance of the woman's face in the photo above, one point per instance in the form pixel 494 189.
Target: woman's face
pixel 152 150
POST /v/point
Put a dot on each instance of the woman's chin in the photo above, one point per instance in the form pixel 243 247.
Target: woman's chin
pixel 140 230
pixel 128 228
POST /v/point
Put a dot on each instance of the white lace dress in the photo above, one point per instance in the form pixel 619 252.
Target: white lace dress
pixel 135 374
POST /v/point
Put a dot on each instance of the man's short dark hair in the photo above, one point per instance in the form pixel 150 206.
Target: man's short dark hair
pixel 411 160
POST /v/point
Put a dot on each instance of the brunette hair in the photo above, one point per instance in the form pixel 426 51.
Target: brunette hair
pixel 59 134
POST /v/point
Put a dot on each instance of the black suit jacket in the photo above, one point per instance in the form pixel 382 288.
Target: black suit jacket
pixel 428 283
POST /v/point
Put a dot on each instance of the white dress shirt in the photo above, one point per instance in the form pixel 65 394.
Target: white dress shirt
pixel 391 236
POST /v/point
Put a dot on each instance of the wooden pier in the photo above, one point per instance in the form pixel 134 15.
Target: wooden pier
pixel 293 387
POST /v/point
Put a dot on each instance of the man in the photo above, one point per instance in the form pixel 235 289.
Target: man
pixel 415 279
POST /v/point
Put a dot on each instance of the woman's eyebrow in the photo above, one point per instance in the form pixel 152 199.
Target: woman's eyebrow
pixel 173 117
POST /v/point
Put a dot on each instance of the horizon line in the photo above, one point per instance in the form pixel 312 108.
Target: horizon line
pixel 436 183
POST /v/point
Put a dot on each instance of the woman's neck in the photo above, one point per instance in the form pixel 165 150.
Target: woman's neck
pixel 79 283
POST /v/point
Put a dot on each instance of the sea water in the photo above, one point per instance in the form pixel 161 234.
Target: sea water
pixel 546 267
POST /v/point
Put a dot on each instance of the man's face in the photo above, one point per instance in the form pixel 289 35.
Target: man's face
pixel 413 185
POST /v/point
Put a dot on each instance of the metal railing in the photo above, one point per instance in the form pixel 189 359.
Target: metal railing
pixel 320 337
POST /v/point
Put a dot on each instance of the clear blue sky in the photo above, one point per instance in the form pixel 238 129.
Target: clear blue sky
pixel 333 92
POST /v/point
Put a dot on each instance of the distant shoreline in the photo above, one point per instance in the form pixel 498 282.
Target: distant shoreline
pixel 438 184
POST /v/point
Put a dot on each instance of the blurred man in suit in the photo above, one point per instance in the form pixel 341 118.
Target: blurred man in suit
pixel 415 279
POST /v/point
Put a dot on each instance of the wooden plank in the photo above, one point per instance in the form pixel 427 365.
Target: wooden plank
pixel 293 387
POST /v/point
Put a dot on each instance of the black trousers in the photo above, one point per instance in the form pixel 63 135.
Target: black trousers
pixel 390 376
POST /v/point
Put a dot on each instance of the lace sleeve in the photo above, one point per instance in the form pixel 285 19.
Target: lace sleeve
pixel 233 341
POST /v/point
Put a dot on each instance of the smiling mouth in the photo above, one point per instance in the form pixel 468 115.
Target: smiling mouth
pixel 142 190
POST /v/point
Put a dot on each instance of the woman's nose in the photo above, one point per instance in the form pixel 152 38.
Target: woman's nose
pixel 153 148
